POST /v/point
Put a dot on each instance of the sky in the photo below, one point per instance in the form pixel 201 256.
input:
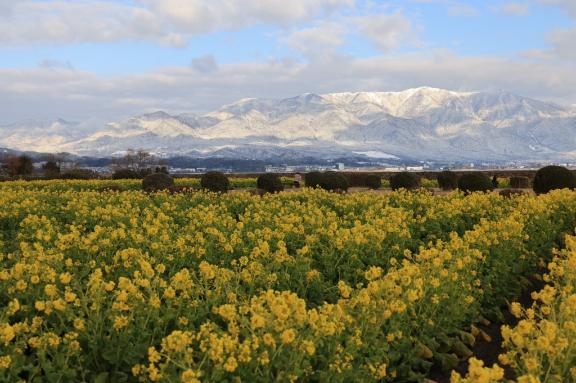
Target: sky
pixel 108 60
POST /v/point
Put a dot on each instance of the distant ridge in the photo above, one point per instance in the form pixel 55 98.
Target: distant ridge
pixel 422 123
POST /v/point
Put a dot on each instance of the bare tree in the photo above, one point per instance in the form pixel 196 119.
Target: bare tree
pixel 19 166
pixel 136 160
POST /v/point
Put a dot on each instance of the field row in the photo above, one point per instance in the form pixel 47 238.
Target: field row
pixel 235 182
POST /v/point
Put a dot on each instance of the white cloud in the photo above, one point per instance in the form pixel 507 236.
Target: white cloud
pixel 6 7
pixel 564 43
pixel 514 9
pixel 42 92
pixel 55 64
pixel 170 22
pixel 63 22
pixel 568 5
pixel 387 32
pixel 459 9
pixel 318 39
pixel 205 64
pixel 196 16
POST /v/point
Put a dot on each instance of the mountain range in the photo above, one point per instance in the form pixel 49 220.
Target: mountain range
pixel 418 124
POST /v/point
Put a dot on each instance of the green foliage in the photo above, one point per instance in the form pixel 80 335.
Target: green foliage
pixel 404 180
pixel 518 182
pixel 476 181
pixel 80 174
pixel 51 169
pixel 509 193
pixel 447 180
pixel 312 179
pixel 386 280
pixel 130 174
pixel 156 182
pixel 333 181
pixel 270 183
pixel 553 177
pixel 373 181
pixel 215 182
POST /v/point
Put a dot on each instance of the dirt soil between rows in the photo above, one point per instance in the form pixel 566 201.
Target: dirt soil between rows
pixel 488 351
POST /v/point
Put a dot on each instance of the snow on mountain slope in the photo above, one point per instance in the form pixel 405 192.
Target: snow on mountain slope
pixel 43 136
pixel 420 123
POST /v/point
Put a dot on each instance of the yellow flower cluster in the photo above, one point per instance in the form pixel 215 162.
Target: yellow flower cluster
pixel 541 347
pixel 304 286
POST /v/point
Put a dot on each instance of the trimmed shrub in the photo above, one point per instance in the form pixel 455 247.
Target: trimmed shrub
pixel 447 180
pixel 430 183
pixel 161 169
pixel 356 179
pixel 333 181
pixel 553 177
pixel 519 182
pixel 509 193
pixel 215 182
pixel 473 182
pixel 79 174
pixel 404 180
pixel 156 182
pixel 373 181
pixel 51 169
pixel 270 183
pixel 312 179
pixel 130 174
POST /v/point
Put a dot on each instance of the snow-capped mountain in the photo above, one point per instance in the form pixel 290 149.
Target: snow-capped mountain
pixel 422 123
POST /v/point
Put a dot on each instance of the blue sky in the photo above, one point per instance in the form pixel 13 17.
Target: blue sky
pixel 110 59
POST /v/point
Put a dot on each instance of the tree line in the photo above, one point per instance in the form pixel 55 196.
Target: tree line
pixel 139 161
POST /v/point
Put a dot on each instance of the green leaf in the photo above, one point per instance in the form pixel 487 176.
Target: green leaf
pixel 101 378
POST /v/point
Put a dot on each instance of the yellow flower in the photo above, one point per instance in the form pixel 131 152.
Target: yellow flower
pixel 516 309
pixel 231 364
pixel 373 273
pixel 312 275
pixel 50 290
pixel 79 324
pixel 227 311
pixel 153 355
pixel 154 374
pixel 120 322
pixel 21 285
pixel 136 369
pixel 65 278
pixel 59 304
pixel 309 347
pixel 344 289
pixel 257 321
pixel 531 364
pixel 288 336
pixel 269 340
pixel 5 361
pixel 40 305
pixel 528 379
pixel 190 376
pixel 169 293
